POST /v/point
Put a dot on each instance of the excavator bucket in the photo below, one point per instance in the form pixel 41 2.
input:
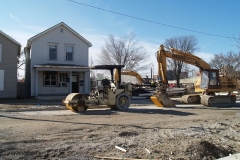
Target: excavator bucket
pixel 75 102
pixel 161 99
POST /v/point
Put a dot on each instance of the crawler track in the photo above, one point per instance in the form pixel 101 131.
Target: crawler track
pixel 218 101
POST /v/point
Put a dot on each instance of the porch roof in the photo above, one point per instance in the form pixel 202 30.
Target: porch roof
pixel 48 65
pixel 61 67
pixel 73 67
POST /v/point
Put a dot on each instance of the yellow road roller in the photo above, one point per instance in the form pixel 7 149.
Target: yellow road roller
pixel 114 94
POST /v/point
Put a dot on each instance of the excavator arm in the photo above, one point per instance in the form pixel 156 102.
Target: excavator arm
pixel 188 58
pixel 129 73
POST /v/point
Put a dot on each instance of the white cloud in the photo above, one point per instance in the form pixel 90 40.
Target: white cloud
pixel 98 41
pixel 32 28
pixel 205 56
pixel 151 50
pixel 16 19
pixel 19 36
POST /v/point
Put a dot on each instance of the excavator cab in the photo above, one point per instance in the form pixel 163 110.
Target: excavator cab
pixel 210 79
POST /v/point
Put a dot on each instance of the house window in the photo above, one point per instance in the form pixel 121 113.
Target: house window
pixel 63 79
pixel 0 52
pixel 52 52
pixel 69 53
pixel 50 78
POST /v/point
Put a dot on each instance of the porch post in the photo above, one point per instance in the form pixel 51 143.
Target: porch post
pixel 70 82
pixel 36 83
pixel 86 82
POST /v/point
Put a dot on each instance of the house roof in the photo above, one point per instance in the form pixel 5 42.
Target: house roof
pixel 10 38
pixel 57 25
pixel 13 40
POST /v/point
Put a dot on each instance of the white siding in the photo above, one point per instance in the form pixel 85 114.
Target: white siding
pixel 1 80
pixel 40 54
pixel 40 48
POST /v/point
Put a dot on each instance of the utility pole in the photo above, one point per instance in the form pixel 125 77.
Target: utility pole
pixel 92 72
pixel 151 74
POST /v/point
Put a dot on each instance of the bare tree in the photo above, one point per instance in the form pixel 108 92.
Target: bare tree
pixel 228 64
pixel 124 51
pixel 21 64
pixel 183 43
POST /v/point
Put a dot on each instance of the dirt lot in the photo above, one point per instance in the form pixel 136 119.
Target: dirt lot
pixel 45 130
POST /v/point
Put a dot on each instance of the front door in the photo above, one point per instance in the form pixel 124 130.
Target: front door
pixel 75 84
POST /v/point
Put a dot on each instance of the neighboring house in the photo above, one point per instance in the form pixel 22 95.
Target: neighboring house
pixel 57 62
pixel 9 51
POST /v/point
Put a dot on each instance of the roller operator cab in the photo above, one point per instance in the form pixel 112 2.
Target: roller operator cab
pixel 114 94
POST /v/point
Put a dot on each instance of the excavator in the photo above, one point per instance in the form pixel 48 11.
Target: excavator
pixel 141 81
pixel 206 87
pixel 145 88
pixel 129 73
pixel 141 88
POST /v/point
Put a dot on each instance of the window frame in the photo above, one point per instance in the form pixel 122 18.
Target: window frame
pixel 51 78
pixel 63 79
pixel 66 53
pixel 212 78
pixel 49 52
pixel 204 79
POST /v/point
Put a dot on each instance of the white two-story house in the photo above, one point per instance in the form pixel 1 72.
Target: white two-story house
pixel 57 62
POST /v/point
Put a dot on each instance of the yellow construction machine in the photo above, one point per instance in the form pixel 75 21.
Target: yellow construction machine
pixel 114 94
pixel 138 89
pixel 130 73
pixel 146 86
pixel 141 81
pixel 210 83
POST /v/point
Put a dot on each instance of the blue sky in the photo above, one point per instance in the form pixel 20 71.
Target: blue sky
pixel 22 19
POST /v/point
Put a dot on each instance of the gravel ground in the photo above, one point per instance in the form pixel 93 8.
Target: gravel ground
pixel 31 129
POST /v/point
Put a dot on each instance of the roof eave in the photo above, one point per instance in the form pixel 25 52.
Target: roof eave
pixel 10 38
pixel 53 27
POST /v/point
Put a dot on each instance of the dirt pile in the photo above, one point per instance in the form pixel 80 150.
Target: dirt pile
pixel 205 150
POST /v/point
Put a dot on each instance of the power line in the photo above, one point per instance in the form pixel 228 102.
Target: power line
pixel 146 20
